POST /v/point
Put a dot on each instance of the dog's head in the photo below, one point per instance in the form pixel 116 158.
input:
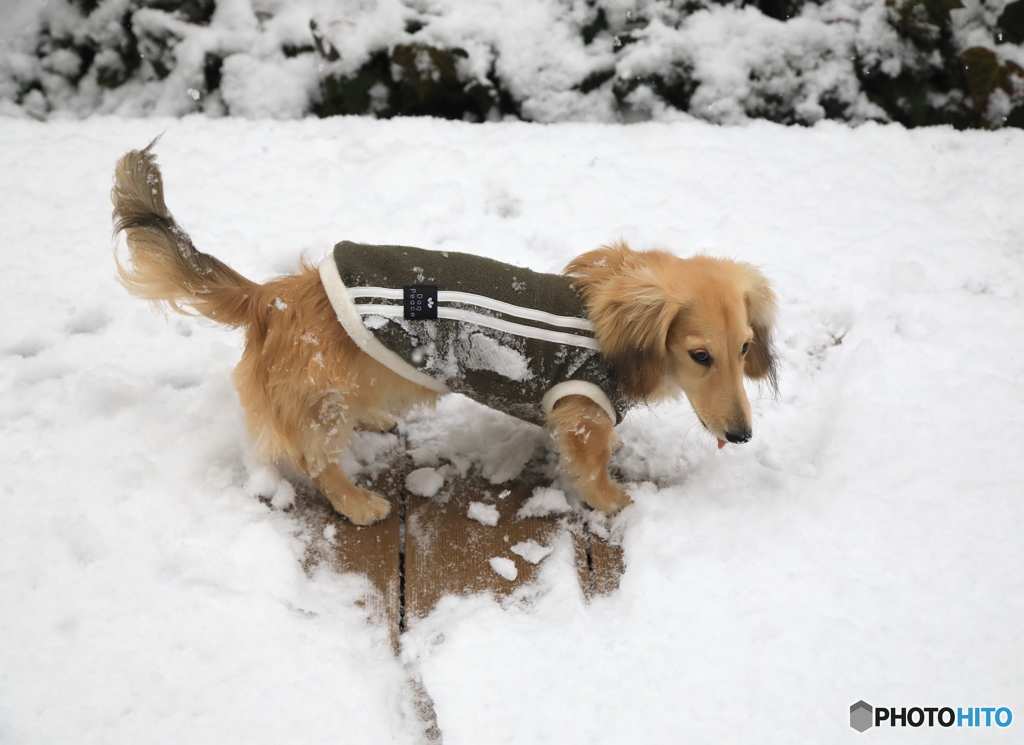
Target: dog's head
pixel 695 325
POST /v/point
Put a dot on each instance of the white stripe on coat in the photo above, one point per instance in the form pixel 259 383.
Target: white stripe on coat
pixel 468 316
pixel 481 301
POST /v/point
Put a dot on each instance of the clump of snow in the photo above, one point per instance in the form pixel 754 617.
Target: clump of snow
pixel 486 353
pixel 532 551
pixel 377 322
pixel 424 482
pixel 504 567
pixel 265 481
pixel 284 495
pixel 468 435
pixel 483 513
pixel 546 500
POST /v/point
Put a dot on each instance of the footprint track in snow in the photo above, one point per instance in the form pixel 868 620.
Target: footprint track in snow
pixel 88 322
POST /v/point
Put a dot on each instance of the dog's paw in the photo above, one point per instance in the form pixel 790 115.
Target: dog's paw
pixel 365 508
pixel 379 423
pixel 608 498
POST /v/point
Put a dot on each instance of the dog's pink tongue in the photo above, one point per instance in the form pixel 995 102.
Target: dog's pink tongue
pixel 721 443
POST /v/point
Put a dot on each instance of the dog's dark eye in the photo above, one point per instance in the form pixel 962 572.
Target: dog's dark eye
pixel 701 357
pixel 746 347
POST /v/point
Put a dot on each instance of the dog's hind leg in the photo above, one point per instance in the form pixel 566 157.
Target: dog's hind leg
pixel 326 429
pixel 361 506
pixel 303 389
pixel 585 437
pixel 312 431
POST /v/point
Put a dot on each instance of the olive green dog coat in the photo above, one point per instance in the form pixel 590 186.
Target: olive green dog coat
pixel 511 338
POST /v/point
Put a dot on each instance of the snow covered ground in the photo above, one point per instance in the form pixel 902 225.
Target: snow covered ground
pixel 865 545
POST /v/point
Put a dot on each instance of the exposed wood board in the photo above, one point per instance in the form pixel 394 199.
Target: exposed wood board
pixel 606 564
pixel 448 553
pixel 445 552
pixel 372 551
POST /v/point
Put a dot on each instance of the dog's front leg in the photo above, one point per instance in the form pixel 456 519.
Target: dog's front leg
pixel 585 437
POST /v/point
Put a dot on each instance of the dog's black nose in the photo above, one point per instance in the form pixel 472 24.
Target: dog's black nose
pixel 739 437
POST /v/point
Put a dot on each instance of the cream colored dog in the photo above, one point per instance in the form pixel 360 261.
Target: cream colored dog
pixel 667 325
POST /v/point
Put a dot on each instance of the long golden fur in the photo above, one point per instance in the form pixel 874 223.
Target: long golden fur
pixel 667 325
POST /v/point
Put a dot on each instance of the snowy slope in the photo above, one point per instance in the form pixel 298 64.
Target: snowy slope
pixel 865 545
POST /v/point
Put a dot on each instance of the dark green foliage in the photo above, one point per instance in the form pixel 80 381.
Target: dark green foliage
pixel 910 97
pixel 621 34
pixel 351 94
pixel 938 10
pixel 157 48
pixel 294 50
pixel 408 80
pixel 924 93
pixel 427 83
pixel 322 44
pixel 596 26
pixel 675 87
pixel 595 80
pixel 780 10
pixel 981 68
pixel 1010 26
pixel 985 74
pixel 1016 118
pixel 117 71
pixel 198 12
pixel 212 64
pixel 773 106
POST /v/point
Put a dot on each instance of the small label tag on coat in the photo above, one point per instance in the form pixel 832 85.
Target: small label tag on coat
pixel 420 302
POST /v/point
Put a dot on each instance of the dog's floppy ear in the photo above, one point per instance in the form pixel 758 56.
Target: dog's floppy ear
pixel 633 332
pixel 761 361
pixel 630 311
pixel 588 271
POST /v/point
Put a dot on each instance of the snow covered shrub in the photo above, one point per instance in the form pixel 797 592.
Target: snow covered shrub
pixel 409 80
pixel 996 87
pixel 732 63
pixel 937 62
pixel 908 64
pixel 917 62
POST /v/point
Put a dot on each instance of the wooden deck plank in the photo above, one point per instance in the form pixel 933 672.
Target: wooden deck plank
pixel 373 551
pixel 606 565
pixel 448 553
pixel 430 548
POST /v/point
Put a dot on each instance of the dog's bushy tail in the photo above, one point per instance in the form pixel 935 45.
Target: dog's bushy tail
pixel 164 266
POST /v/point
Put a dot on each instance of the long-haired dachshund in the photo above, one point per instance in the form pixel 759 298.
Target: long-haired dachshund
pixel 376 331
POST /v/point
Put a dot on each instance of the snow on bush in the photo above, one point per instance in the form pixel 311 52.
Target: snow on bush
pixel 792 61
